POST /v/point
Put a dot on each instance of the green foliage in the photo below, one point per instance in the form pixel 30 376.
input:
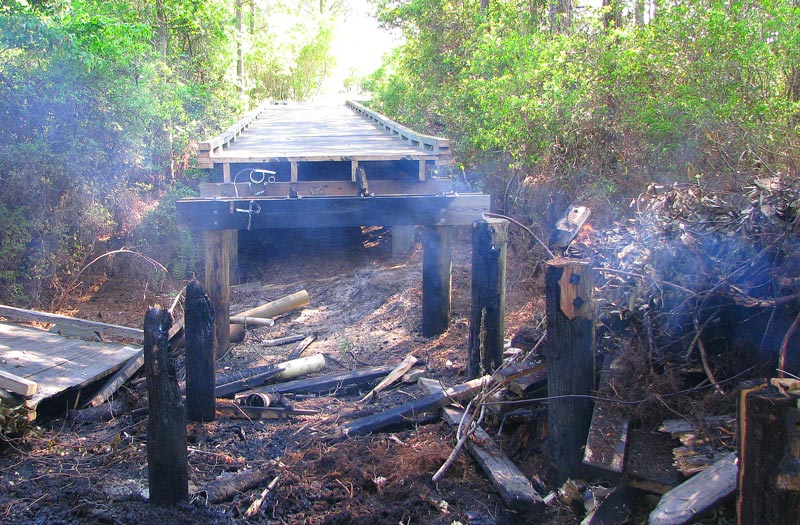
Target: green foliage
pixel 13 421
pixel 159 236
pixel 704 87
pixel 97 98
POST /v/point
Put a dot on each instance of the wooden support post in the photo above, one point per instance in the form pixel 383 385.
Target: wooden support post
pixel 167 469
pixel 487 321
pixel 570 360
pixel 233 248
pixel 201 354
pixel 218 285
pixel 769 457
pixel 436 280
pixel 402 240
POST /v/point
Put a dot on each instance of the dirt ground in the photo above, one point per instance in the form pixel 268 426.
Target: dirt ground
pixel 365 310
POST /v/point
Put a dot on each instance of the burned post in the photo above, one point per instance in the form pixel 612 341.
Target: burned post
pixel 436 280
pixel 201 354
pixel 769 455
pixel 167 469
pixel 570 360
pixel 487 320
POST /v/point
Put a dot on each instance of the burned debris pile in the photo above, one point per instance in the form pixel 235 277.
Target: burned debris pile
pixel 697 269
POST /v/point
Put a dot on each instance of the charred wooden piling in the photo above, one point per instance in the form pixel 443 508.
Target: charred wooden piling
pixel 769 456
pixel 167 469
pixel 487 320
pixel 201 354
pixel 570 360
pixel 436 280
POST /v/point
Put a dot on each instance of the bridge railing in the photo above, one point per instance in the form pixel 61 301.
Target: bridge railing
pixel 437 145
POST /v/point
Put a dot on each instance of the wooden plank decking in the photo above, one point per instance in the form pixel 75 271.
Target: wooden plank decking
pixel 56 363
pixel 294 133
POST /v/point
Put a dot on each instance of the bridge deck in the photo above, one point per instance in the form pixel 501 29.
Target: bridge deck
pixel 315 133
pixel 57 363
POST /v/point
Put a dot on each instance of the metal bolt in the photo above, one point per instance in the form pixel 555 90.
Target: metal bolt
pixel 577 303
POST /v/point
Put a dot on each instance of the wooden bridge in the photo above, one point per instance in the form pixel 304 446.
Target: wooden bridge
pixel 298 166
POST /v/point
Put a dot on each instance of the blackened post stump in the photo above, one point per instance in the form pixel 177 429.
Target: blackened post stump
pixel 167 470
pixel 769 457
pixel 201 352
pixel 570 360
pixel 487 320
pixel 436 280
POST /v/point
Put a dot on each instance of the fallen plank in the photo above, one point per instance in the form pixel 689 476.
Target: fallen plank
pixel 255 507
pixel 245 380
pixel 535 379
pixel 234 410
pixel 514 488
pixel 133 365
pixel 700 494
pixel 607 441
pixel 72 323
pixel 301 347
pixel 282 340
pixel 242 380
pixel 17 385
pixel 94 414
pixel 227 486
pixel 329 383
pixel 252 321
pixel 409 410
pixel 399 371
pixel 705 441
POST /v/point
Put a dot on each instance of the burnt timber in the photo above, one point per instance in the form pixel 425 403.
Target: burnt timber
pixel 301 166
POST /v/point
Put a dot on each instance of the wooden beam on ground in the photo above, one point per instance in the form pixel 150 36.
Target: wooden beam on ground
pixel 17 384
pixel 71 323
pixel 167 467
pixel 487 319
pixel 251 321
pixel 250 378
pixel 301 347
pixel 329 383
pixel 271 309
pixel 234 410
pixel 226 487
pixel 570 360
pixel 201 354
pixel 607 441
pixel 695 497
pixel 395 375
pixel 217 268
pixel 436 280
pixel 283 340
pixel 769 466
pixel 408 411
pixel 514 488
pixel 119 378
